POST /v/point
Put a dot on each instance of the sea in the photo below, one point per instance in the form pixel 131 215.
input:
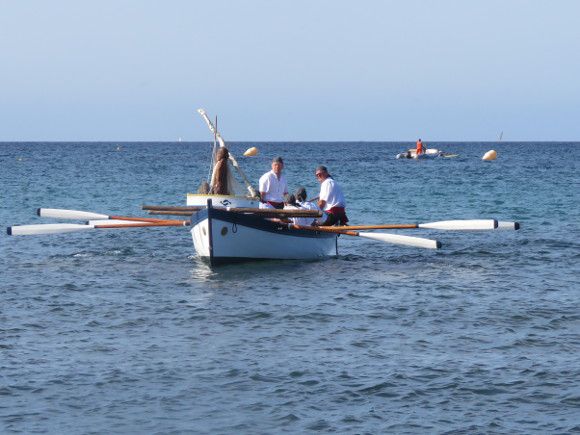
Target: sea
pixel 128 332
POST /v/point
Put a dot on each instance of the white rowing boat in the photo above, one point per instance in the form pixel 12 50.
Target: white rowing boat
pixel 222 236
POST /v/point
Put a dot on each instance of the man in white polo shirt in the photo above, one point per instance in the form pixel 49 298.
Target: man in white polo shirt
pixel 331 198
pixel 273 186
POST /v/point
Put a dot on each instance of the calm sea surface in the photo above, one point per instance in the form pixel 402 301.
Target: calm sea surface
pixel 126 331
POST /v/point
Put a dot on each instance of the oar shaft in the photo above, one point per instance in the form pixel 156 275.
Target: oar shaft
pixel 264 212
pixel 128 222
pixel 379 227
pixel 146 224
pixel 336 230
pixel 172 207
pixel 276 212
pixel 171 212
pixel 142 219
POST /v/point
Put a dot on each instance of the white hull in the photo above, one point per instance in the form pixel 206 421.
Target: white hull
pixel 430 153
pixel 221 237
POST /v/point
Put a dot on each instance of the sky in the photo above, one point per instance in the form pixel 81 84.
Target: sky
pixel 299 70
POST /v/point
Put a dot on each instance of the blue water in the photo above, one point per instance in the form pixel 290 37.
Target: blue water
pixel 126 331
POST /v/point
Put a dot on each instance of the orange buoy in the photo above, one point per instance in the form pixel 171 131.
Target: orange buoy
pixel 489 156
pixel 251 152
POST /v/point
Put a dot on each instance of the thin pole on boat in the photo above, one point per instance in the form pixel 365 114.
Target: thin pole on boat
pixel 215 136
pixel 212 157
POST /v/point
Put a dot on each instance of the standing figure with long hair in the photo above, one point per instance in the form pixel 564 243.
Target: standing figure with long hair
pixel 221 178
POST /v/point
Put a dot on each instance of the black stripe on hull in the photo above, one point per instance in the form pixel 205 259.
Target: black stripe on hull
pixel 256 222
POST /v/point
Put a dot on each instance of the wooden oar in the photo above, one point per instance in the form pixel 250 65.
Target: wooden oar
pixel 265 212
pixel 59 213
pixel 191 208
pixel 171 212
pixel 459 225
pixel 417 242
pixel 29 230
pixel 172 223
pixel 101 222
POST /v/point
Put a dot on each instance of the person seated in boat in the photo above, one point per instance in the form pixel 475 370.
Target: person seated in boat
pixel 304 204
pixel 419 147
pixel 203 188
pixel 298 202
pixel 273 186
pixel 289 204
pixel 331 199
pixel 222 182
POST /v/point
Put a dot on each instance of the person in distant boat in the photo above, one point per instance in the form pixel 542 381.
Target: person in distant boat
pixel 221 179
pixel 331 199
pixel 273 186
pixel 419 147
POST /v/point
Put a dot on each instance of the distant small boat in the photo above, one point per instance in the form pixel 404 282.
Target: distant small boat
pixel 430 153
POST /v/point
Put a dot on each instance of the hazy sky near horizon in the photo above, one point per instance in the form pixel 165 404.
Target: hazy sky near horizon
pixel 317 70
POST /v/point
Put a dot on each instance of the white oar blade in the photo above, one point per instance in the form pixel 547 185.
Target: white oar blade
pixel 395 239
pixel 69 214
pixel 112 222
pixel 31 230
pixel 504 225
pixel 462 225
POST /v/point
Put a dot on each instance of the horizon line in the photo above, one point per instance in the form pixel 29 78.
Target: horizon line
pixel 286 141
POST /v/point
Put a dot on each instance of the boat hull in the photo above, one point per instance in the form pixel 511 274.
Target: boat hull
pixel 430 153
pixel 221 237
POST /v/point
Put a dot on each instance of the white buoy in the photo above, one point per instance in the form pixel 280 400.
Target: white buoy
pixel 489 156
pixel 251 152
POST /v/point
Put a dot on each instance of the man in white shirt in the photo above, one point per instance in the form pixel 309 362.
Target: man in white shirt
pixel 331 198
pixel 273 186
